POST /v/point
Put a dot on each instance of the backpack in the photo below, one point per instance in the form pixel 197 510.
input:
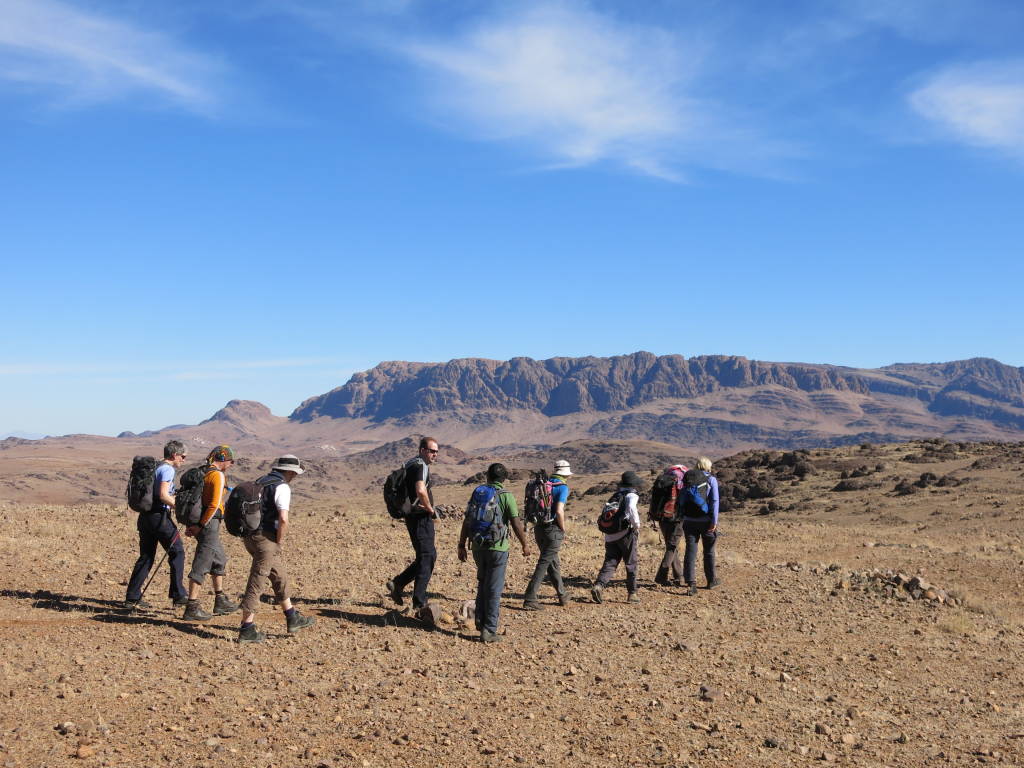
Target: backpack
pixel 486 521
pixel 538 507
pixel 396 493
pixel 188 500
pixel 140 484
pixel 243 511
pixel 613 514
pixel 693 501
pixel 664 494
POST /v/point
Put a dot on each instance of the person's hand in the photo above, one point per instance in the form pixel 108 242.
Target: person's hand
pixel 192 530
pixel 463 553
pixel 713 529
pixel 526 550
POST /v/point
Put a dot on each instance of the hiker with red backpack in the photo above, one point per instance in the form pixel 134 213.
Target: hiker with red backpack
pixel 620 523
pixel 545 508
pixel 697 507
pixel 663 517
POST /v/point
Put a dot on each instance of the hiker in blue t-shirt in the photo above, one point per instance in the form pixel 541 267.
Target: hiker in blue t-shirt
pixel 157 527
pixel 549 535
pixel 698 526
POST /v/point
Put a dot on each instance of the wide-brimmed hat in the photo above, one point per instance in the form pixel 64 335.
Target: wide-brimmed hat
pixel 289 463
pixel 562 468
pixel 630 479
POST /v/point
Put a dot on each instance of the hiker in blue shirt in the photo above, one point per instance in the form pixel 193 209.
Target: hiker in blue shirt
pixel 550 534
pixel 700 522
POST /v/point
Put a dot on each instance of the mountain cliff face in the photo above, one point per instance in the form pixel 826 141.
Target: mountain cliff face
pixel 560 386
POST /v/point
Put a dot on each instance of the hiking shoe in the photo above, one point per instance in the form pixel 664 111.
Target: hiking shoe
pixel 486 636
pixel 394 593
pixel 250 635
pixel 595 593
pixel 179 601
pixel 563 600
pixel 663 582
pixel 298 621
pixel 634 597
pixel 138 605
pixel 194 612
pixel 714 583
pixel 222 605
pixel 691 590
pixel 532 605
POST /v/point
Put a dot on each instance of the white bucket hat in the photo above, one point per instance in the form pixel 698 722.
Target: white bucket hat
pixel 562 468
pixel 289 463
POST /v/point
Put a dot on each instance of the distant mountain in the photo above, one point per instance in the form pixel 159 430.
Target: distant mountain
pixel 23 435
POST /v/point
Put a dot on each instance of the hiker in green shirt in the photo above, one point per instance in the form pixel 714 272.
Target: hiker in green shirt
pixel 490 513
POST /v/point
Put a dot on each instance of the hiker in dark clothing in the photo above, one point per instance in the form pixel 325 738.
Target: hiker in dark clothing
pixel 157 527
pixel 700 525
pixel 623 546
pixel 420 524
pixel 664 519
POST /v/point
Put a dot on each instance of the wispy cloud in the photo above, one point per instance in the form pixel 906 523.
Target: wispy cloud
pixel 981 104
pixel 576 85
pixel 87 57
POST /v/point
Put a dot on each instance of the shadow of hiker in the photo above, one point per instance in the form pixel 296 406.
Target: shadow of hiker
pixel 391 618
pixel 56 601
pixel 137 619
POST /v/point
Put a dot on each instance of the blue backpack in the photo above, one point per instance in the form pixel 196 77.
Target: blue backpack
pixel 693 500
pixel 486 521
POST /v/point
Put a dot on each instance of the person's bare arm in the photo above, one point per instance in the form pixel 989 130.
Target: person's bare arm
pixel 282 525
pixel 165 493
pixel 423 498
pixel 560 515
pixel 517 526
pixel 463 537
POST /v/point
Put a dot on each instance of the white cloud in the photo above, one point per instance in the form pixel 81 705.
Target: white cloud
pixel 578 86
pixel 981 104
pixel 89 58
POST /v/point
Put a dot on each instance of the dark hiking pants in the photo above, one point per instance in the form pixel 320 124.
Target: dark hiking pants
pixel 490 581
pixel 549 539
pixel 157 528
pixel 615 552
pixel 672 533
pixel 698 531
pixel 421 534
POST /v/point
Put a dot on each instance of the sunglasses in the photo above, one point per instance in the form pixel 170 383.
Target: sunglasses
pixel 428 450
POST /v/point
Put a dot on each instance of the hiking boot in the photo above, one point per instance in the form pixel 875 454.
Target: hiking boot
pixel 691 590
pixel 486 636
pixel 394 593
pixel 250 635
pixel 634 597
pixel 532 605
pixel 179 601
pixel 714 583
pixel 222 605
pixel 194 612
pixel 563 600
pixel 297 621
pixel 595 593
pixel 662 582
pixel 138 605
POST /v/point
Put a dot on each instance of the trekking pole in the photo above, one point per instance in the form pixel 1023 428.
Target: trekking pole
pixel 157 569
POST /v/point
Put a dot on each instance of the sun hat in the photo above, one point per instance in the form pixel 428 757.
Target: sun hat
pixel 289 463
pixel 562 468
pixel 630 479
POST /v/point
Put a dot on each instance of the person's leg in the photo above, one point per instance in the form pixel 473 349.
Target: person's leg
pixel 259 574
pixel 171 541
pixel 631 556
pixel 406 577
pixel 147 554
pixel 543 540
pixel 671 555
pixel 612 557
pixel 708 543
pixel 493 586
pixel 555 564
pixel 692 534
pixel 676 536
pixel 427 557
pixel 480 605
pixel 202 563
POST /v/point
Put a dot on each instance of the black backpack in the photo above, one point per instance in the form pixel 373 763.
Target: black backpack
pixel 188 500
pixel 396 494
pixel 537 508
pixel 140 483
pixel 243 511
pixel 613 514
pixel 693 501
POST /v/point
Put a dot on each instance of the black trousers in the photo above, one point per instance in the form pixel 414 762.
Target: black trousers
pixel 672 532
pixel 157 528
pixel 421 534
pixel 694 532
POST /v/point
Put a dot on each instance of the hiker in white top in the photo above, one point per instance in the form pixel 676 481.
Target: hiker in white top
pixel 622 545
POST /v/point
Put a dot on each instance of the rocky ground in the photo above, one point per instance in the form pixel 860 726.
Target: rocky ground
pixel 859 623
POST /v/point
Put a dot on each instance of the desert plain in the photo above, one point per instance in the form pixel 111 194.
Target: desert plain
pixel 870 615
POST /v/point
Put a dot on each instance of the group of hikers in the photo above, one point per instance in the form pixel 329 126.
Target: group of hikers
pixel 683 507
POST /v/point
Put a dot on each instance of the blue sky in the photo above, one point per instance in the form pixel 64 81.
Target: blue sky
pixel 202 202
